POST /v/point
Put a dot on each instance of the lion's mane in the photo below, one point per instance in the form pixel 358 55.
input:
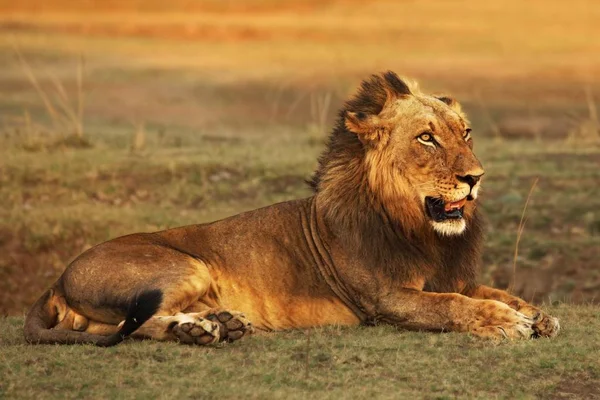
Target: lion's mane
pixel 404 245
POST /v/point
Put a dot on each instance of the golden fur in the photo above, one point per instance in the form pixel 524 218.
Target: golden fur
pixel 392 234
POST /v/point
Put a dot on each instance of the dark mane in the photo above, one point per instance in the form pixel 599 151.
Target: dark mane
pixel 357 216
pixel 369 99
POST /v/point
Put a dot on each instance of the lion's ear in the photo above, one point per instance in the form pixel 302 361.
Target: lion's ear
pixel 368 128
pixel 394 86
pixel 451 102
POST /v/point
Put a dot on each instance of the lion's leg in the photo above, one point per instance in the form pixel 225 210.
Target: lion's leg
pixel 71 320
pixel 209 326
pixel 414 309
pixel 102 282
pixel 185 328
pixel 175 319
pixel 201 328
pixel 545 325
pixel 233 324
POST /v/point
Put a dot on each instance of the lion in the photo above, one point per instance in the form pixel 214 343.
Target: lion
pixel 392 234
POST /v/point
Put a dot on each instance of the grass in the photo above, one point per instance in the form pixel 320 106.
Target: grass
pixel 364 362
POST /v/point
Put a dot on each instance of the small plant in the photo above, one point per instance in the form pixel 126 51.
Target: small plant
pixel 66 116
pixel 588 128
pixel 520 230
pixel 488 115
pixel 138 141
pixel 319 110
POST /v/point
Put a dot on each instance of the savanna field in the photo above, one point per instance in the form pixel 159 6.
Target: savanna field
pixel 131 116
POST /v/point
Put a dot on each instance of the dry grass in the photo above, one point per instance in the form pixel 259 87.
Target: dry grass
pixel 587 129
pixel 138 141
pixel 520 230
pixel 66 118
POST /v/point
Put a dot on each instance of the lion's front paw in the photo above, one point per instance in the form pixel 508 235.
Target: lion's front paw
pixel 191 329
pixel 495 320
pixel 544 325
pixel 233 324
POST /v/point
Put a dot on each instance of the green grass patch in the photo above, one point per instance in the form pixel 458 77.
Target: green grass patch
pixel 364 362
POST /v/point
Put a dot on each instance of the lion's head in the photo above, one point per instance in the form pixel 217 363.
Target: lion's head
pixel 408 154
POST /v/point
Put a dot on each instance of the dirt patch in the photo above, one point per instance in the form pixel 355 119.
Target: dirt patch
pixel 576 387
pixel 25 273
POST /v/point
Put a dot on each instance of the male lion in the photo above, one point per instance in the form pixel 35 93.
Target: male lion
pixel 392 234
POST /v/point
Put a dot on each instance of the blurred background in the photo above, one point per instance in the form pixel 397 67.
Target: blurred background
pixel 124 116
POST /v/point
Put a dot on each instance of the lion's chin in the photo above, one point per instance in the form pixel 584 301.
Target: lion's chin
pixel 450 227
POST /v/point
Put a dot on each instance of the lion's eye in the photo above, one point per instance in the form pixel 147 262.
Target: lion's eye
pixel 467 135
pixel 426 137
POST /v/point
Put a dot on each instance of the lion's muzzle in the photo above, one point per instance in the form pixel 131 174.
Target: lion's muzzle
pixel 439 211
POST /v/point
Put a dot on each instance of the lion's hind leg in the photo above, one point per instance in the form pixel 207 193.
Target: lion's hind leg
pixel 202 328
pixel 71 320
pixel 184 328
pixel 233 325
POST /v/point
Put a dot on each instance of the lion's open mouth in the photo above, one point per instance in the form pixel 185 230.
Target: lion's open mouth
pixel 439 210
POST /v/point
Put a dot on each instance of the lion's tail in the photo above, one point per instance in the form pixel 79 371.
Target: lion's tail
pixel 42 317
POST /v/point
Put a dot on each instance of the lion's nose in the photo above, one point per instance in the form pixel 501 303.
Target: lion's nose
pixel 471 180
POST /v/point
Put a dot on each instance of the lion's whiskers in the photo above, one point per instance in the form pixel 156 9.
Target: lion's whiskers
pixel 426 184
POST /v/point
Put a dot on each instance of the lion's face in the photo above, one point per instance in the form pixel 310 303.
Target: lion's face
pixel 420 147
pixel 431 142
